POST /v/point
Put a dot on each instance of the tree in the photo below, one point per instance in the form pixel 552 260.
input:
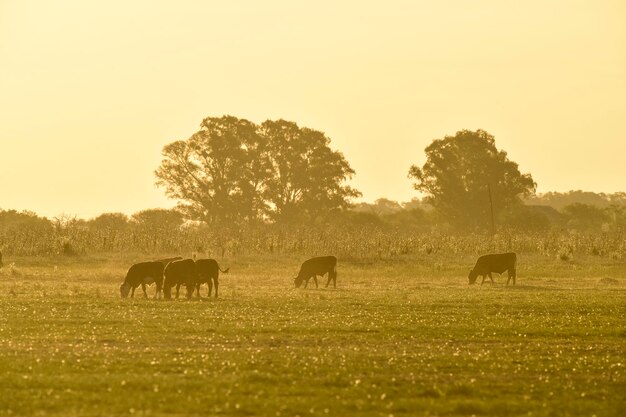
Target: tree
pixel 307 175
pixel 459 173
pixel 528 218
pixel 111 221
pixel 12 220
pixel 219 173
pixel 560 200
pixel 232 171
pixel 585 216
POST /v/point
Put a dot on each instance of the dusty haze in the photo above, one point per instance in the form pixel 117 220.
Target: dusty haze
pixel 92 91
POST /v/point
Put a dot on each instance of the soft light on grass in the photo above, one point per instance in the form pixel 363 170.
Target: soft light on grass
pixel 401 337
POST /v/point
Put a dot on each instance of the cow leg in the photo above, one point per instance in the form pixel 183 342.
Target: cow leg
pixel 512 274
pixel 306 282
pixel 132 293
pixel 210 285
pixel 177 289
pixel 315 279
pixel 217 283
pixel 483 281
pixel 332 275
pixel 190 288
pixel 143 287
pixel 491 278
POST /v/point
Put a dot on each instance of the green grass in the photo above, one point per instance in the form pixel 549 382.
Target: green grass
pixel 399 337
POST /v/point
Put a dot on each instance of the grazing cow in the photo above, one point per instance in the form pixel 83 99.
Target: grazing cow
pixel 141 274
pixel 313 267
pixel 166 261
pixel 177 273
pixel 499 263
pixel 208 271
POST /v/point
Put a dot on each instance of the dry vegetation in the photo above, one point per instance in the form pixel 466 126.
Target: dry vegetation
pixel 346 242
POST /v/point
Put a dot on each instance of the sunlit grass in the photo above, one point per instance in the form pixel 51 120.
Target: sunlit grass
pixel 397 337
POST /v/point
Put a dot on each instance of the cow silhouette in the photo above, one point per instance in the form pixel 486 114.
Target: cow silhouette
pixel 313 267
pixel 499 263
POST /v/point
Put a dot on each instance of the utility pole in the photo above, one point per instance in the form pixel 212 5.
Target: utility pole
pixel 493 222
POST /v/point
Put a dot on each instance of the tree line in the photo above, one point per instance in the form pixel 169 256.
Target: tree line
pixel 540 214
pixel 232 172
pixel 351 235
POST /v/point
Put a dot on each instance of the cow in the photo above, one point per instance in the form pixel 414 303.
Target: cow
pixel 177 273
pixel 141 274
pixel 313 267
pixel 166 261
pixel 499 263
pixel 208 271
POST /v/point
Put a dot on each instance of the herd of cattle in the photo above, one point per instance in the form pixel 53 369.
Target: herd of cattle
pixel 175 272
pixel 172 272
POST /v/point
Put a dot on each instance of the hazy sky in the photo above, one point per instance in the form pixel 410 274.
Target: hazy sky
pixel 90 91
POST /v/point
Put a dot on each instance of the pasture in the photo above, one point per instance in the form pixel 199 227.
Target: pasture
pixel 398 337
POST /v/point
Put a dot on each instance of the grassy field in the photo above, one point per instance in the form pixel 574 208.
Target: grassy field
pixel 401 337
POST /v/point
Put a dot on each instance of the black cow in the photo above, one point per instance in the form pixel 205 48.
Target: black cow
pixel 313 267
pixel 499 263
pixel 208 271
pixel 177 273
pixel 166 261
pixel 141 274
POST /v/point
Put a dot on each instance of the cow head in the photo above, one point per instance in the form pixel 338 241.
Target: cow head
pixel 124 290
pixel 298 281
pixel 472 277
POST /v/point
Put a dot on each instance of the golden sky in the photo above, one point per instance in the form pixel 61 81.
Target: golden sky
pixel 90 91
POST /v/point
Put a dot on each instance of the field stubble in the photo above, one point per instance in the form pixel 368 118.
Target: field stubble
pixel 397 337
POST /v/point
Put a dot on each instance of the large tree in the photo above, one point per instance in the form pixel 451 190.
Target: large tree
pixel 233 171
pixel 308 177
pixel 218 174
pixel 459 173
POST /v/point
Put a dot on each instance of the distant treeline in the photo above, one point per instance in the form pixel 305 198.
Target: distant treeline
pixel 561 200
pixel 573 210
pixel 381 229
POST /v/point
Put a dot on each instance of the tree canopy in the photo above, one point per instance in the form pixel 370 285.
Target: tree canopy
pixel 459 173
pixel 307 176
pixel 234 171
pixel 112 221
pixel 218 173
